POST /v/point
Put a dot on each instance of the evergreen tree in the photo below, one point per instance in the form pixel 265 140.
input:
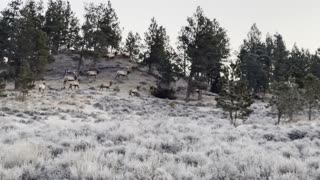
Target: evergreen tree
pixel 168 69
pixel 101 29
pixel 235 97
pixel 280 57
pixel 315 64
pixel 8 34
pixel 300 61
pixel 157 42
pixel 206 45
pixel 24 78
pixel 2 86
pixel 255 62
pixel 133 45
pixel 311 93
pixel 61 25
pixel 31 42
pixel 286 99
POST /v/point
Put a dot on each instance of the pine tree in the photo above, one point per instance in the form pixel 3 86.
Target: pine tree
pixel 8 34
pixel 235 97
pixel 286 99
pixel 2 86
pixel 101 30
pixel 133 46
pixel 280 57
pixel 255 63
pixel 61 25
pixel 157 42
pixel 311 93
pixel 31 42
pixel 315 64
pixel 206 45
pixel 299 64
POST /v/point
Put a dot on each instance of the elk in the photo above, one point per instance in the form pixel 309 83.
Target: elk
pixel 92 73
pixel 105 86
pixel 134 92
pixel 72 84
pixel 121 73
pixel 42 87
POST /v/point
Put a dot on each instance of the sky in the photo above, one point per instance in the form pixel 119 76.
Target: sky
pixel 298 21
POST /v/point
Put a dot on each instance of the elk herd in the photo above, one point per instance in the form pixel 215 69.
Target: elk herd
pixel 71 80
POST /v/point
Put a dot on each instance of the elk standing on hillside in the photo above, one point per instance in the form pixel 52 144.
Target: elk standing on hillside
pixel 105 86
pixel 72 84
pixel 122 73
pixel 92 73
pixel 42 87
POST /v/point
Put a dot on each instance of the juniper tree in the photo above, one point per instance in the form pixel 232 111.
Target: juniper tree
pixel 235 97
pixel 311 93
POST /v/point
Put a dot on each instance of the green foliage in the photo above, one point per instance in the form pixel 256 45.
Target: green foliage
pixel 255 62
pixel 157 43
pixel 167 68
pixel 31 40
pixel 299 63
pixel 315 64
pixel 24 78
pixel 61 25
pixel 311 93
pixel 160 54
pixel 23 39
pixel 101 29
pixel 286 99
pixel 133 46
pixel 2 87
pixel 235 97
pixel 280 56
pixel 206 45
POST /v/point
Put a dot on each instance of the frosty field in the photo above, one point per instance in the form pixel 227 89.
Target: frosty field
pixel 88 134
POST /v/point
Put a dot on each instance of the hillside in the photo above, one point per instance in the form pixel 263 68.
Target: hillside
pixel 92 134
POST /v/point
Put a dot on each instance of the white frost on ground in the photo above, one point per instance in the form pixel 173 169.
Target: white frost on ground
pixel 97 135
pixel 89 134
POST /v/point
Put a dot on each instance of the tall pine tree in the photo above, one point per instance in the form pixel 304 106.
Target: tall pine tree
pixel 206 44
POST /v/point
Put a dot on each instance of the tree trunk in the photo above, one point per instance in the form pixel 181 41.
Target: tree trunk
pixel 80 62
pixel 200 95
pixel 290 116
pixel 184 65
pixel 150 68
pixel 279 118
pixel 310 112
pixel 189 88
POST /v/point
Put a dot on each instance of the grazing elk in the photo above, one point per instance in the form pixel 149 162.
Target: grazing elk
pixel 134 92
pixel 110 56
pixel 73 84
pixel 92 73
pixel 122 74
pixel 70 76
pixel 105 86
